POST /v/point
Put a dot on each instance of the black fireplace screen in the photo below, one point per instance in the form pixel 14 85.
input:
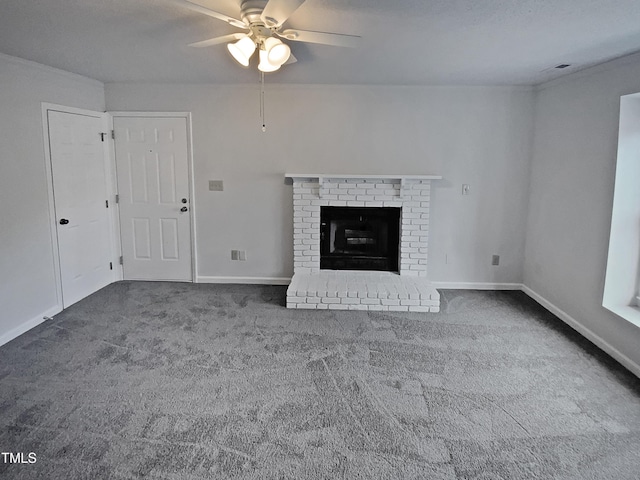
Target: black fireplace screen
pixel 354 238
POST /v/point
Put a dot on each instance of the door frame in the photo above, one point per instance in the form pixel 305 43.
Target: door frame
pixel 114 247
pixel 191 182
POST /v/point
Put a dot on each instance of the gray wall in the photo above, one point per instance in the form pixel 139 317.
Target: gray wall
pixel 27 282
pixel 479 136
pixel 572 182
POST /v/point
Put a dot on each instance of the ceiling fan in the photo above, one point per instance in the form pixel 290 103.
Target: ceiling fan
pixel 263 20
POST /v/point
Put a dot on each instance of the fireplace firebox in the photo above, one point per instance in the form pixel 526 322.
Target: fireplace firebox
pixel 354 238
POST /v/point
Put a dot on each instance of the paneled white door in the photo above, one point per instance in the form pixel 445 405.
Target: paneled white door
pixel 153 184
pixel 80 195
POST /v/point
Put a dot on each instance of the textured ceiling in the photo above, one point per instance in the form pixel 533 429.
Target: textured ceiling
pixel 405 42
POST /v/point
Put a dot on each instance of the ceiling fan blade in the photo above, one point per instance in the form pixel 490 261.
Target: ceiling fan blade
pixel 212 13
pixel 276 12
pixel 217 40
pixel 292 59
pixel 324 38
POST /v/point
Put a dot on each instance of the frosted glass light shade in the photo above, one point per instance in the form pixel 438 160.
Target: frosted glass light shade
pixel 265 65
pixel 242 50
pixel 277 52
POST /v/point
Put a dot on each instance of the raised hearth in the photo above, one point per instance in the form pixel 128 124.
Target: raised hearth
pixel 370 223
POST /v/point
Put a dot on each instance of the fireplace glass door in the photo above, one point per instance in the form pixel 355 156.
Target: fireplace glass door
pixel 355 238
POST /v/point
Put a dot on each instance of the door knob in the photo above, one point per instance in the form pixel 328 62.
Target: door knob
pixel 184 200
pixel 184 209
pixel 63 221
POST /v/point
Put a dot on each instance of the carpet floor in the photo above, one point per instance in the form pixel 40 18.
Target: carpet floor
pixel 182 381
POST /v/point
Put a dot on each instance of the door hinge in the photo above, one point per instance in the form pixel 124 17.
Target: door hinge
pixel 102 134
pixel 106 203
pixel 117 198
pixel 110 265
pixel 113 134
pixel 121 260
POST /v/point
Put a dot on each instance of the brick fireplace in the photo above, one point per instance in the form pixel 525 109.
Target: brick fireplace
pixel 330 286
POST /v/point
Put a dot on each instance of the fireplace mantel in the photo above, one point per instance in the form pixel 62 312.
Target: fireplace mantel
pixel 320 178
pixel 340 176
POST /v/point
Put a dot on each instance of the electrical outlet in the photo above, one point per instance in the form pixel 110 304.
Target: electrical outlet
pixel 216 186
pixel 495 260
pixel 239 255
pixel 466 188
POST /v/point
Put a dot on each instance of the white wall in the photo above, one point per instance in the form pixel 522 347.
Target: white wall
pixel 479 136
pixel 27 282
pixel 572 182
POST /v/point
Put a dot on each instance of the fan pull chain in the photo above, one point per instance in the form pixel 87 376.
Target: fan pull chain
pixel 264 125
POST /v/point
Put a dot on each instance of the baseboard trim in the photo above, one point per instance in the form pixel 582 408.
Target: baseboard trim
pixel 584 331
pixel 477 286
pixel 28 325
pixel 246 280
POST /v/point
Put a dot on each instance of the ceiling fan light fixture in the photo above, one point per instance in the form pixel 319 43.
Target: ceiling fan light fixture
pixel 277 51
pixel 242 50
pixel 265 65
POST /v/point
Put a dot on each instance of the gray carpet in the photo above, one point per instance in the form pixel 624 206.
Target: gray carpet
pixel 181 381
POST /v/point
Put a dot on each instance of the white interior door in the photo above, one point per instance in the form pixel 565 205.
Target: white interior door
pixel 153 184
pixel 80 194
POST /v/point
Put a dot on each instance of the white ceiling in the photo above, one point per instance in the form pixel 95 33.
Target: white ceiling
pixel 404 42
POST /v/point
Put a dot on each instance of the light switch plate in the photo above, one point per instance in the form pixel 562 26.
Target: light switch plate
pixel 216 186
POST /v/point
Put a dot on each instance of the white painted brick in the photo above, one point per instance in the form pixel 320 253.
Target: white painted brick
pixel 374 308
pixel 370 301
pixel 346 197
pixel 373 204
pixel 365 198
pixel 330 300
pixel 337 306
pixel 358 307
pixel 308 306
pixel 409 302
pixel 350 301
pixel 390 301
pixel 383 198
pixel 418 308
pixel 322 306
pixel 296 299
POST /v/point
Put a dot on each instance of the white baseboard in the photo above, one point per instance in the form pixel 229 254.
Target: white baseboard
pixel 246 280
pixel 28 325
pixel 477 286
pixel 584 331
